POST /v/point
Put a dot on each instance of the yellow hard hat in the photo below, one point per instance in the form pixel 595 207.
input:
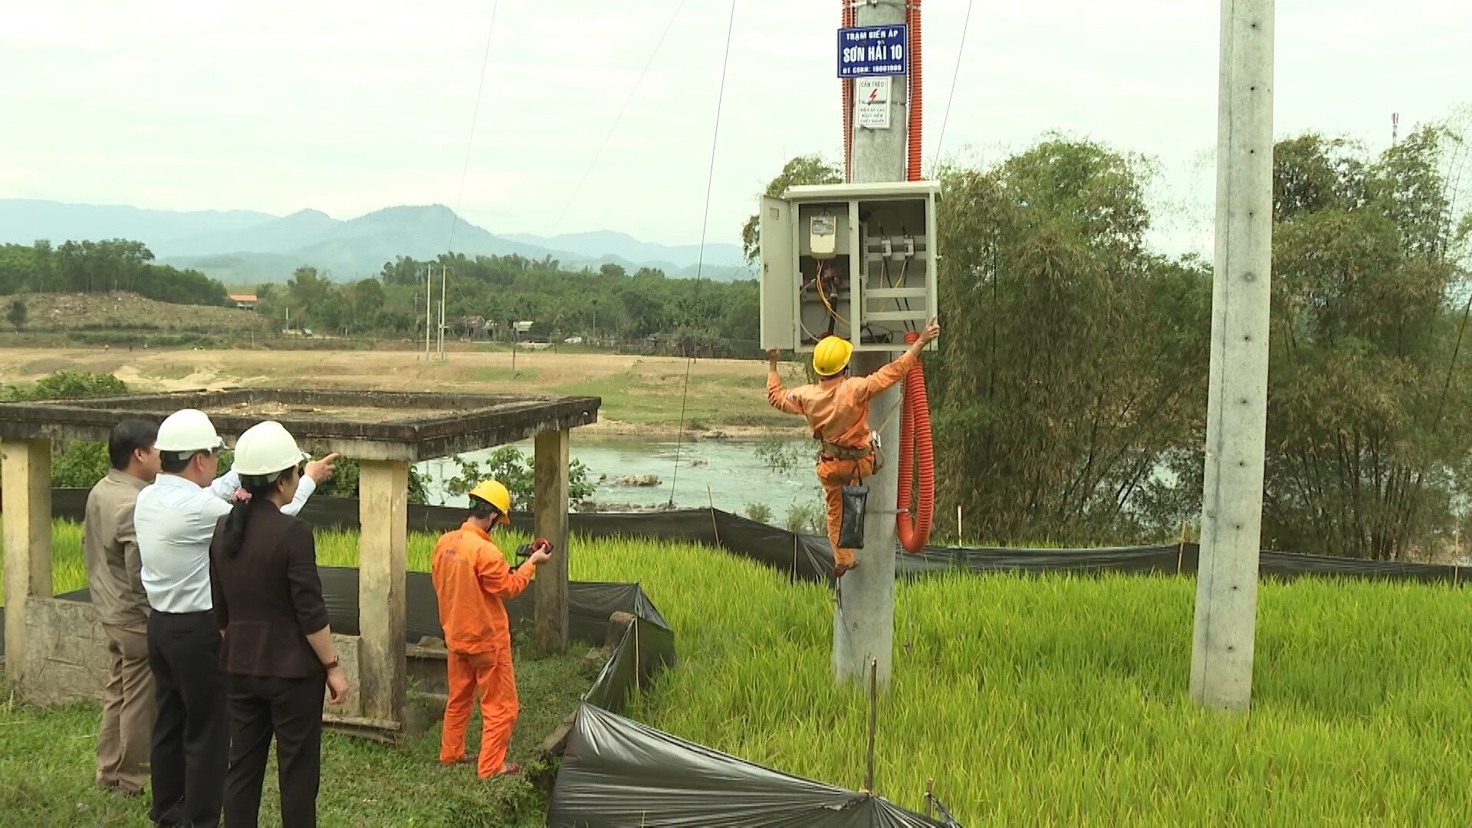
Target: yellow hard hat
pixel 831 355
pixel 495 494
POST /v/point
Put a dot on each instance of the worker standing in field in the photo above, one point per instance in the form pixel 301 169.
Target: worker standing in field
pixel 837 410
pixel 471 580
pixel 115 581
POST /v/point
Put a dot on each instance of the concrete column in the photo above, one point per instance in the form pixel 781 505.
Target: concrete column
pixel 382 554
pixel 550 514
pixel 863 620
pixel 25 476
pixel 1231 516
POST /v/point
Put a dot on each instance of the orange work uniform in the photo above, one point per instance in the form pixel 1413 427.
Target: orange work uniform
pixel 837 409
pixel 471 579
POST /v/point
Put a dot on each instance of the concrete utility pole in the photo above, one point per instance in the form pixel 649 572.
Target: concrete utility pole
pixel 863 620
pixel 444 277
pixel 1236 424
pixel 428 305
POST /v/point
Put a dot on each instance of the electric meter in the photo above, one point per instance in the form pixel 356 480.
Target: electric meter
pixel 823 237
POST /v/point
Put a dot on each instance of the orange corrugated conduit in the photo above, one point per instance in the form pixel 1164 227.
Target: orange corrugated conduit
pixel 912 17
pixel 848 104
pixel 915 445
pixel 915 442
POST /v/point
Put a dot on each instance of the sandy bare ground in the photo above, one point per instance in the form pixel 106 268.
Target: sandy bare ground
pixel 543 372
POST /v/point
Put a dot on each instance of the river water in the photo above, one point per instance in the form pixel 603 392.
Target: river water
pixel 728 473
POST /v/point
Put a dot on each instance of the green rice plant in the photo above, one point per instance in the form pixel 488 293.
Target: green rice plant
pixel 1061 700
pixel 334 548
pixel 1057 700
pixel 69 571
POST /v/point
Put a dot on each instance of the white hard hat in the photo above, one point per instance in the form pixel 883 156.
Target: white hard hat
pixel 264 449
pixel 188 430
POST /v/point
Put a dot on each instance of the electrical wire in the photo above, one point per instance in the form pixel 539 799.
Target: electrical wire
pixel 822 294
pixel 704 226
pixel 628 100
pixel 474 116
pixel 941 138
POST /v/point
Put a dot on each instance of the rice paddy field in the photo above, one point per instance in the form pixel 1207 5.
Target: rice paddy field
pixel 1054 700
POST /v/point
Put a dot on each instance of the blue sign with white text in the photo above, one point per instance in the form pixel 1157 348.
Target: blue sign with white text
pixel 873 51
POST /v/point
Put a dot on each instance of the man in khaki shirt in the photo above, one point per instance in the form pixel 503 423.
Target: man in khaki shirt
pixel 114 577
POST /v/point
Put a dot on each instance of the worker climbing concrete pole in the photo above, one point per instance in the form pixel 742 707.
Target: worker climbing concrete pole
pixel 863 618
pixel 837 410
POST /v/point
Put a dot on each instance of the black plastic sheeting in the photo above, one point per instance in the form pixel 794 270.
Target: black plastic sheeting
pixel 617 772
pixel 590 603
pixel 809 558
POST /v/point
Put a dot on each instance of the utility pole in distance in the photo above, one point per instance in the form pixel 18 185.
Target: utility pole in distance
pixel 1236 420
pixel 428 305
pixel 444 277
pixel 863 620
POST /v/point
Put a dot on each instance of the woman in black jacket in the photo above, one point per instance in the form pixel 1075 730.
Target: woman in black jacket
pixel 277 652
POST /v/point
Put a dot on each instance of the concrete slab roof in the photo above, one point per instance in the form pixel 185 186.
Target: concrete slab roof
pixel 364 425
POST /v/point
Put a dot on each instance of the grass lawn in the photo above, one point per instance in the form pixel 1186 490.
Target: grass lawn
pixel 641 390
pixel 47 757
pixel 1052 700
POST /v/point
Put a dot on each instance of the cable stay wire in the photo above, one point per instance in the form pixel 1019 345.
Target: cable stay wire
pixel 955 75
pixel 704 227
pixel 617 119
pixel 474 116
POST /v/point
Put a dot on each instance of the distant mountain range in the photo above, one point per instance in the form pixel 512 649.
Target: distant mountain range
pixel 242 247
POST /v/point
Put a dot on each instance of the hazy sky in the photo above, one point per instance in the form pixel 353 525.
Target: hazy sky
pixel 346 108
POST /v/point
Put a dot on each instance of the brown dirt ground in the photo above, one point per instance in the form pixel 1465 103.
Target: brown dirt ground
pixel 70 311
pixel 477 372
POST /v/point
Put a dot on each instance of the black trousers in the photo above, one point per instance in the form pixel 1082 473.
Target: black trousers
pixel 291 710
pixel 190 734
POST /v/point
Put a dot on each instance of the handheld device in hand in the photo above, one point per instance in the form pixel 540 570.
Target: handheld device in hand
pixel 538 545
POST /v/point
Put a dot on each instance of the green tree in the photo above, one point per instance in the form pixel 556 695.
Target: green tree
pixel 368 298
pixel 514 469
pixel 69 385
pixel 102 266
pixel 345 482
pixel 16 316
pixel 1074 362
pixel 804 169
pixel 1370 395
pixel 332 313
pixel 308 290
pixel 75 464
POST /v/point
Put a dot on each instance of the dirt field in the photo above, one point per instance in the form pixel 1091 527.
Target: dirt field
pixel 640 394
pixel 72 311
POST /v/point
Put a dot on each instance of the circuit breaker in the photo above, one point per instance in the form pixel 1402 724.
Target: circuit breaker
pixel 850 260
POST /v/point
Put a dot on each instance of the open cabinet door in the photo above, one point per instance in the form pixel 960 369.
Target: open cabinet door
pixel 778 285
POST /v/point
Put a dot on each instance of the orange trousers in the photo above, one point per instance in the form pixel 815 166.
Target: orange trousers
pixel 834 474
pixel 491 674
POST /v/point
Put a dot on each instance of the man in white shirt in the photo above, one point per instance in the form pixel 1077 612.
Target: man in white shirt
pixel 175 519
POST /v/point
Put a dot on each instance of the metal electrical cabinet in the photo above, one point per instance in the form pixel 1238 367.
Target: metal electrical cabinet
pixel 852 260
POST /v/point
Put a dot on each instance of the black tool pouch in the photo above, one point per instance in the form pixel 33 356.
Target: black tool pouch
pixel 851 529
